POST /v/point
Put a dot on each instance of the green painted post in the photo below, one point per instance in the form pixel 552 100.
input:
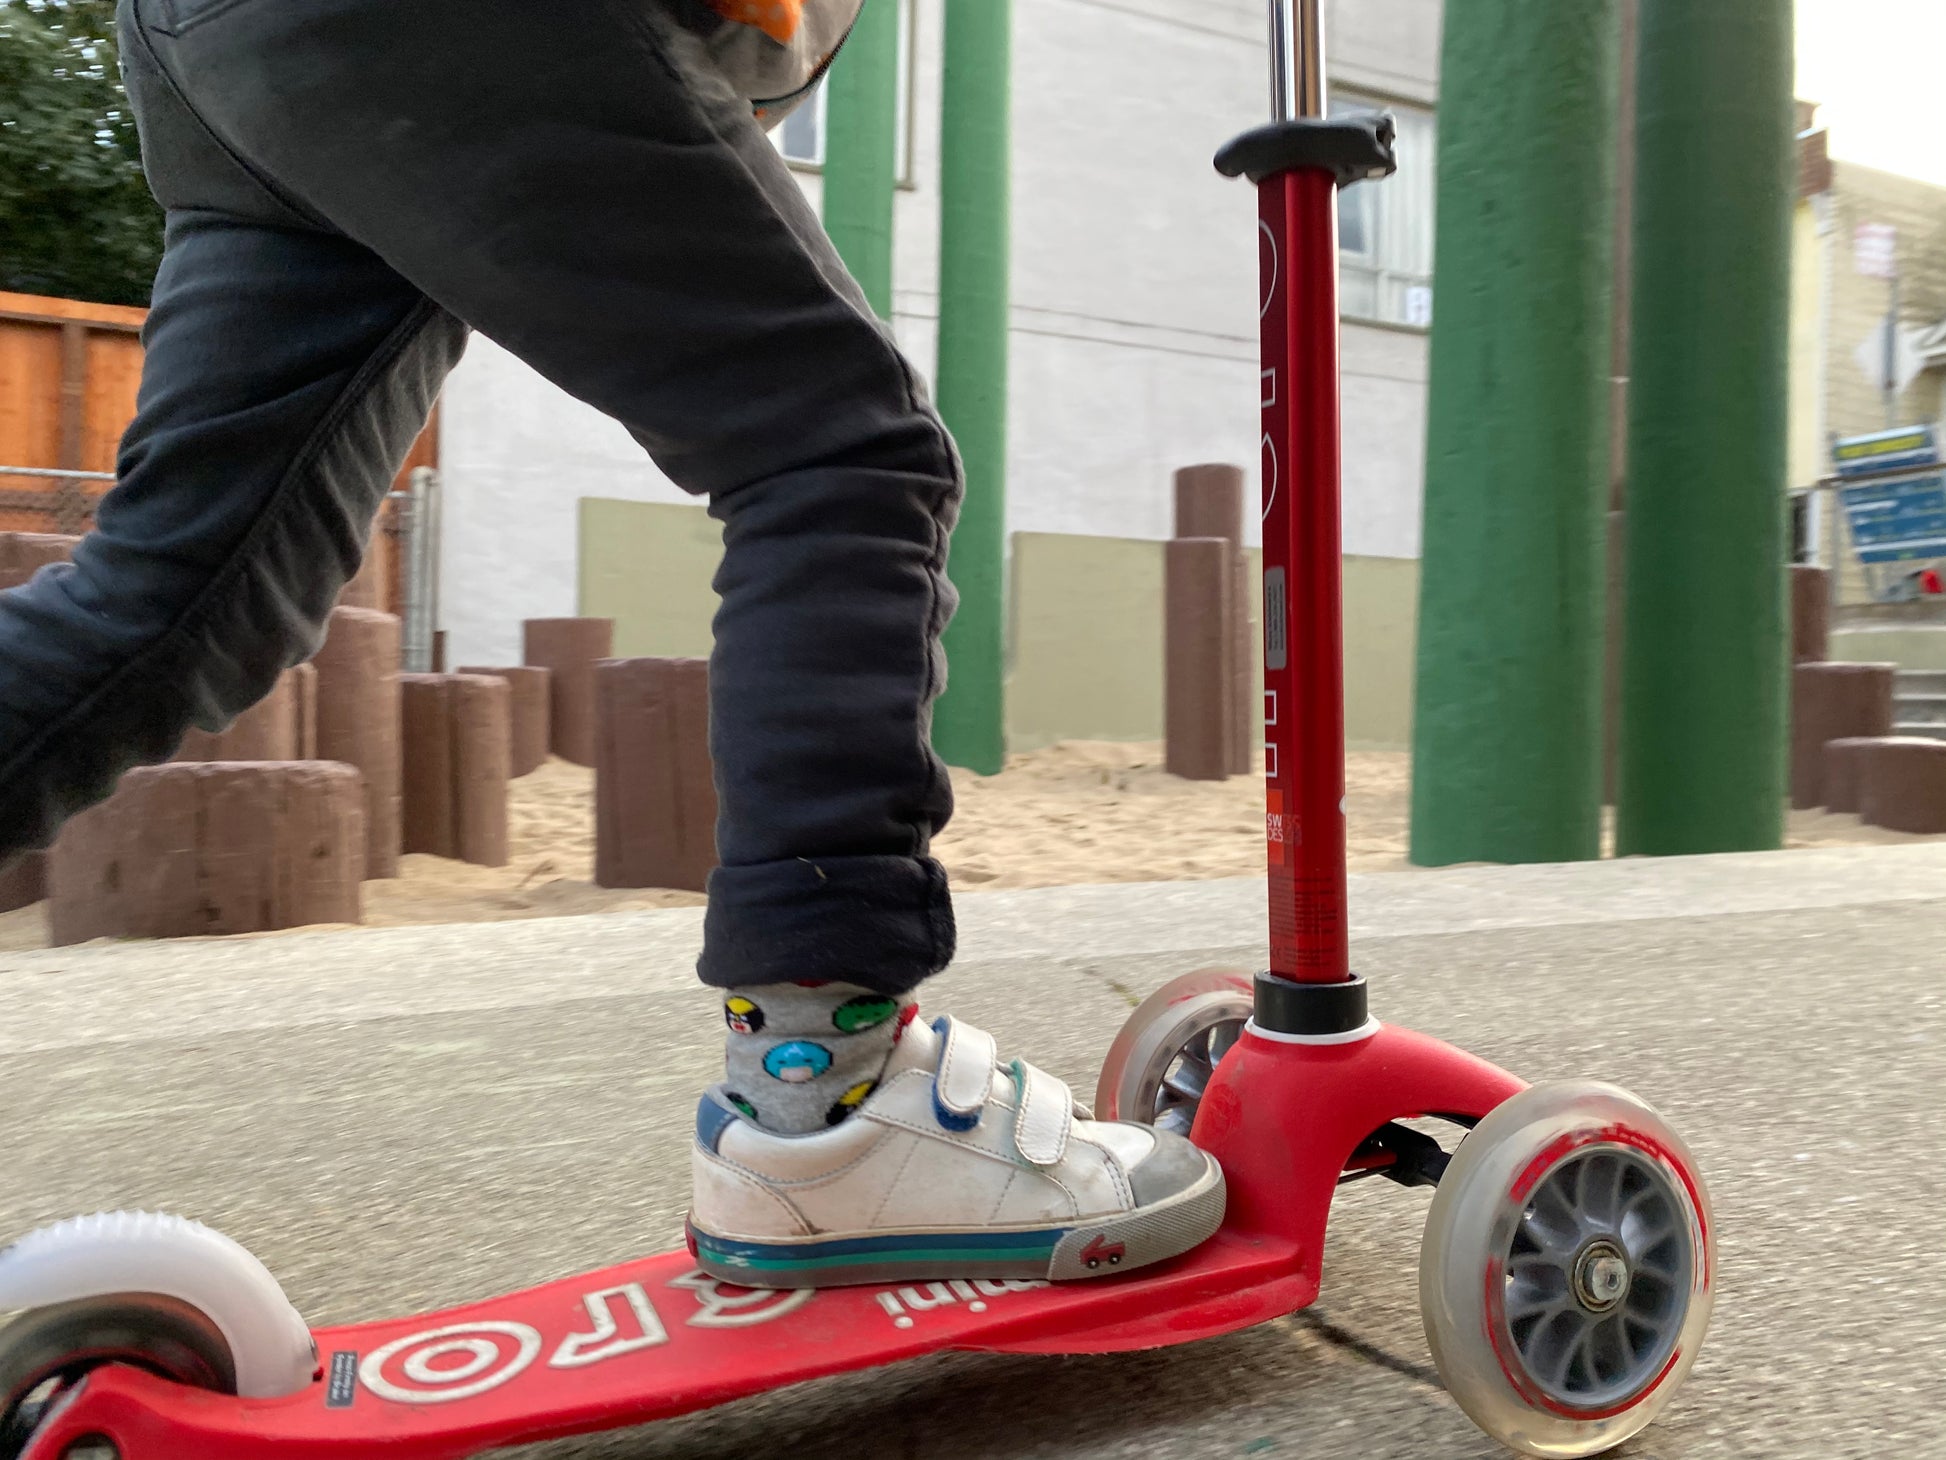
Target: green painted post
pixel 969 724
pixel 1507 726
pixel 861 150
pixel 1704 700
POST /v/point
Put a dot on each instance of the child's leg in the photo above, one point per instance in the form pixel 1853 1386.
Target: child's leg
pixel 287 371
pixel 580 185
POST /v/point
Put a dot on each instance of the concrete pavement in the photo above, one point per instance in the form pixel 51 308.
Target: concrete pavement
pixel 404 1118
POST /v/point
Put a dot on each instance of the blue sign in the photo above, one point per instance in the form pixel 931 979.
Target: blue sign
pixel 1909 446
pixel 1898 521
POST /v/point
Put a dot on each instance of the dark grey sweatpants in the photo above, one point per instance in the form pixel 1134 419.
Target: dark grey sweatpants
pixel 350 186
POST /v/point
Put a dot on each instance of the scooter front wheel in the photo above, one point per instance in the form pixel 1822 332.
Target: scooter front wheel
pixel 1162 1060
pixel 44 1353
pixel 1568 1267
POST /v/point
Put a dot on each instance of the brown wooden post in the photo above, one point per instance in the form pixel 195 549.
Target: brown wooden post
pixel 655 796
pixel 24 883
pixel 529 685
pixel 569 649
pixel 455 731
pixel 358 720
pixel 22 554
pixel 482 766
pixel 1210 503
pixel 1810 613
pixel 304 710
pixel 367 587
pixel 188 850
pixel 1844 771
pixel 1870 700
pixel 1903 785
pixel 268 730
pixel 1833 702
pixel 1198 687
pixel 425 765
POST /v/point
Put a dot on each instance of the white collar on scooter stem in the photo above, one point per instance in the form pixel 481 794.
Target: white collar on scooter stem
pixel 1366 1030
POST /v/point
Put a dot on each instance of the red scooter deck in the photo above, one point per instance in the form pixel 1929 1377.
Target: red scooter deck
pixel 651 1339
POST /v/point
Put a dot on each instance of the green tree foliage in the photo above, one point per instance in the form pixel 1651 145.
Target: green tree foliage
pixel 76 217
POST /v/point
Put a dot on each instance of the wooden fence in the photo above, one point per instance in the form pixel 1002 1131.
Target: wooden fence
pixel 68 377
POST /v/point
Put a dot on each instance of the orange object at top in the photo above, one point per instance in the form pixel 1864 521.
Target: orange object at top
pixel 778 19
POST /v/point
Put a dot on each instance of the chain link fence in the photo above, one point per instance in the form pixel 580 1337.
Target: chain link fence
pixel 405 537
pixel 38 499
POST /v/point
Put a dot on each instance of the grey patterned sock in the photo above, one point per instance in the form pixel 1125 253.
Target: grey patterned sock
pixel 803 1056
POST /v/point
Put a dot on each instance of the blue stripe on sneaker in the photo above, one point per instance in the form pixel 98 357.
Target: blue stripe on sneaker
pixel 713 1117
pixel 907 1246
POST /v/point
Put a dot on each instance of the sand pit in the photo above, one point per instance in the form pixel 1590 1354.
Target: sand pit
pixel 1074 813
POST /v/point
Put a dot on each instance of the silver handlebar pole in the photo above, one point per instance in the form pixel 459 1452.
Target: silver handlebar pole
pixel 1296 59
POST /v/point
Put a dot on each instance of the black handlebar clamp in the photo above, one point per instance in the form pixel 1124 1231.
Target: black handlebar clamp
pixel 1351 149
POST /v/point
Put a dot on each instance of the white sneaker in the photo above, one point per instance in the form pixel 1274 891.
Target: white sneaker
pixel 954 1167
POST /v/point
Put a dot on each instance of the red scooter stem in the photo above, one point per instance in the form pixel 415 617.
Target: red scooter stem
pixel 1304 668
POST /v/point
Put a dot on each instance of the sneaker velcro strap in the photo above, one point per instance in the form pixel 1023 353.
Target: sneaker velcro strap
pixel 1045 1117
pixel 966 1069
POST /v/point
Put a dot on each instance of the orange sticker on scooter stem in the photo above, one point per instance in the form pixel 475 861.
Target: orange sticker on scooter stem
pixel 778 19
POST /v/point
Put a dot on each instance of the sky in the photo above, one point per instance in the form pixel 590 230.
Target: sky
pixel 1877 67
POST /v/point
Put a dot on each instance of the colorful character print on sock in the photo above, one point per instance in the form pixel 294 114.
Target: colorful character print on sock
pixel 742 1015
pixel 867 1011
pixel 850 1101
pixel 796 1061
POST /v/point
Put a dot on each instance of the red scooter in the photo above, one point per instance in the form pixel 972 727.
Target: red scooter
pixel 1567 1268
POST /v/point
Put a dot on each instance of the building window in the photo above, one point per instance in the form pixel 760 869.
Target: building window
pixel 801 137
pixel 1385 230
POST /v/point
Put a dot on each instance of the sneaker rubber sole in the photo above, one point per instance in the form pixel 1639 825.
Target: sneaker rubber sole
pixel 1095 1248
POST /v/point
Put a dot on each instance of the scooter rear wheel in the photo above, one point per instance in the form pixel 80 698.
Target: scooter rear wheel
pixel 46 1352
pixel 1566 1277
pixel 1160 1063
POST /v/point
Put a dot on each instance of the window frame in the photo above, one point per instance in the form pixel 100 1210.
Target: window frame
pixel 908 138
pixel 1357 99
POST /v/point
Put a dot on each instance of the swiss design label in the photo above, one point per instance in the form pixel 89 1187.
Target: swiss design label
pixel 341 1383
pixel 1276 620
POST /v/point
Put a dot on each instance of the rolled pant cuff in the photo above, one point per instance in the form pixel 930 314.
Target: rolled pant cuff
pixel 883 923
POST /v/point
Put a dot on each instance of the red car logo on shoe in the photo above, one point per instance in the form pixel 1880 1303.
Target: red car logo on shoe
pixel 1102 1250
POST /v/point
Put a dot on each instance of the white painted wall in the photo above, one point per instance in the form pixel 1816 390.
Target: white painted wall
pixel 1134 347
